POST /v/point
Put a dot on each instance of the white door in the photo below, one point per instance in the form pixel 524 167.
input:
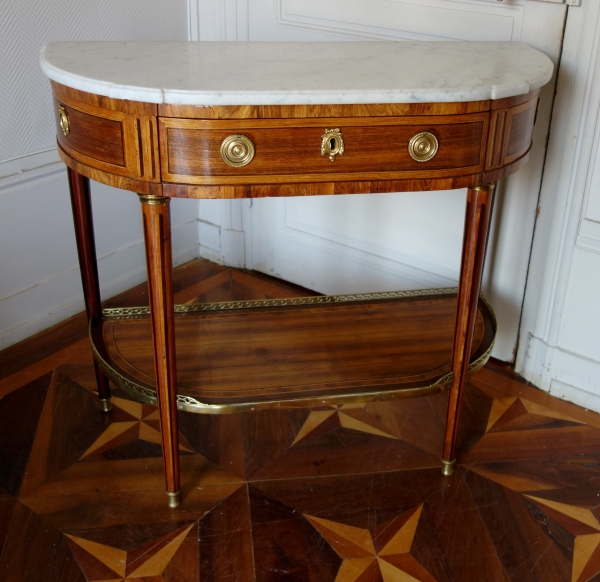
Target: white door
pixel 398 241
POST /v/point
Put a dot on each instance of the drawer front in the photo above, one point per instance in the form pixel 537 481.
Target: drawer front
pixel 108 140
pixel 292 150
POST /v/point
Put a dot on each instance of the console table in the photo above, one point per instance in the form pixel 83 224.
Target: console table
pixel 246 120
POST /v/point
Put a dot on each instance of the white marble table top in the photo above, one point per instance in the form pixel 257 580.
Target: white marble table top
pixel 294 73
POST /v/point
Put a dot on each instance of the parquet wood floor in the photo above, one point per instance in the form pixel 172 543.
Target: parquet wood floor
pixel 348 494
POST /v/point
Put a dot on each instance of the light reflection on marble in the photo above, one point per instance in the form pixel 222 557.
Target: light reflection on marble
pixel 278 73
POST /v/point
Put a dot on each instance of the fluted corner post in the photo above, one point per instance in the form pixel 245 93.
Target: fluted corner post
pixel 157 234
pixel 477 221
pixel 81 203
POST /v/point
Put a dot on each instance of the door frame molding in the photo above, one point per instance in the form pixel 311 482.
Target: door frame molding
pixel 561 225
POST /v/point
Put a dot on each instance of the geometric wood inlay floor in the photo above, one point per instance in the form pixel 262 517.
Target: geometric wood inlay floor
pixel 332 494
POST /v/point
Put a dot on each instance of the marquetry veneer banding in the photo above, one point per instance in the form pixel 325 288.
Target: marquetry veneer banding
pixel 173 150
pixel 289 150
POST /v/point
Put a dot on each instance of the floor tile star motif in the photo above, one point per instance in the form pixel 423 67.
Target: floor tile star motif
pixel 585 527
pixel 514 413
pixel 131 421
pixel 351 416
pixel 102 563
pixel 381 555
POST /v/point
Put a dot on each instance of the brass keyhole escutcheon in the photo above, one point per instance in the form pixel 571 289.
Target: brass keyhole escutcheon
pixel 332 143
pixel 237 150
pixel 63 120
pixel 423 146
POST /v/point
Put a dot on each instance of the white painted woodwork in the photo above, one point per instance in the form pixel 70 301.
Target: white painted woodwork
pixel 559 347
pixel 39 272
pixel 399 241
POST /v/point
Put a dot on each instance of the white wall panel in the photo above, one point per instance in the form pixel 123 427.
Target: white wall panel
pixel 40 283
pixel 405 19
pixel 39 273
pixel 26 123
pixel 559 348
pixel 404 241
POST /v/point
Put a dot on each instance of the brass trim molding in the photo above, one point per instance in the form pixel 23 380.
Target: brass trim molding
pixel 484 187
pixel 153 200
pixel 448 467
pixel 174 498
pixel 142 312
pixel 147 394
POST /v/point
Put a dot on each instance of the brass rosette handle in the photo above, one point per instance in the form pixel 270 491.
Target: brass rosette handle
pixel 237 150
pixel 332 143
pixel 63 120
pixel 423 146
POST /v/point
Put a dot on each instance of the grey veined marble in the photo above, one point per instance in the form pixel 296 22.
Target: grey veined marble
pixel 294 73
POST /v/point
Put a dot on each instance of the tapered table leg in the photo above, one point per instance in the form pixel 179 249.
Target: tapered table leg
pixel 81 203
pixel 477 221
pixel 157 234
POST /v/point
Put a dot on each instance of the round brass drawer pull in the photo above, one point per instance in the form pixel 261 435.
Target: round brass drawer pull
pixel 237 150
pixel 423 146
pixel 63 120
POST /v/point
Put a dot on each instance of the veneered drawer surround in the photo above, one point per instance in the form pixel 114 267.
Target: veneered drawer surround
pixel 133 146
pixel 110 140
pixel 290 149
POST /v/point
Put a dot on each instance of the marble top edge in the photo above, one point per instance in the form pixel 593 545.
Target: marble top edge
pixel 281 73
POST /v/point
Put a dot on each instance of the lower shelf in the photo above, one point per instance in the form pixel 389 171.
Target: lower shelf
pixel 301 352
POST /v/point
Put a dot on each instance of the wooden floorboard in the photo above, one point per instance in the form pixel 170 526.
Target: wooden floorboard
pixel 348 494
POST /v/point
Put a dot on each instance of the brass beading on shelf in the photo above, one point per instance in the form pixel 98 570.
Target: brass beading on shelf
pixel 64 120
pixel 237 150
pixel 423 146
pixel 147 393
pixel 332 143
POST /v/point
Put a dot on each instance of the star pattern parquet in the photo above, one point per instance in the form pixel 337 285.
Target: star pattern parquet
pixel 331 494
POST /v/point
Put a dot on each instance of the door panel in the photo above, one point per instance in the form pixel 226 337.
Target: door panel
pixel 401 20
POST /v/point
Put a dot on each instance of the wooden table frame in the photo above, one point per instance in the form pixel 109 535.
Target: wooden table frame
pixel 506 141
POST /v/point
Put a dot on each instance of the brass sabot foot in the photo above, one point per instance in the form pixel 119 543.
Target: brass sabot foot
pixel 106 404
pixel 448 467
pixel 174 498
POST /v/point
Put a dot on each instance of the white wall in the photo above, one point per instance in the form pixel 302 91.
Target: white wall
pixel 221 228
pixel 560 335
pixel 395 241
pixel 39 274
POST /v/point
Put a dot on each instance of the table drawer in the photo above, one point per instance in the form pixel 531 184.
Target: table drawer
pixel 117 142
pixel 281 150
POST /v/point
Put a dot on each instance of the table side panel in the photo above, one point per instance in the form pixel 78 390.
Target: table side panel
pixel 109 140
pixel 511 131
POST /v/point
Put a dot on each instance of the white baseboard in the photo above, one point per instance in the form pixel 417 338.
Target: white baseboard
pixel 221 245
pixel 63 295
pixel 40 283
pixel 562 373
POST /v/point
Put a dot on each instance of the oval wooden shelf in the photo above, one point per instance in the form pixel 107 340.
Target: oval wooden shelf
pixel 296 352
